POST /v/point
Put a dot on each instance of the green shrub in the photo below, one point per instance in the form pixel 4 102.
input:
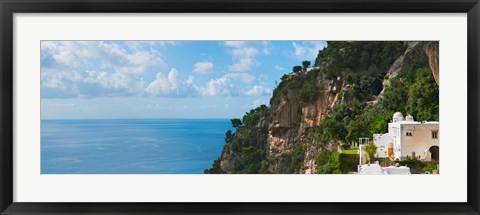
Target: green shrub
pixel 322 157
pixel 416 166
pixel 348 162
pixel 309 92
pixel 346 146
pixel 215 169
pixel 428 168
pixel 296 159
pixel 327 162
pixel 372 81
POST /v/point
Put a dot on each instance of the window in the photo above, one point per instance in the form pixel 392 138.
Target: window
pixel 434 134
pixel 409 134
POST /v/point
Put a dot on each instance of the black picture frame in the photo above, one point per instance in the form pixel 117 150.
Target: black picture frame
pixel 9 7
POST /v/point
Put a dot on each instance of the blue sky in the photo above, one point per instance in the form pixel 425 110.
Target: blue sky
pixel 163 79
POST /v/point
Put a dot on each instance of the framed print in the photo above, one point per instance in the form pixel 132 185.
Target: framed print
pixel 239 107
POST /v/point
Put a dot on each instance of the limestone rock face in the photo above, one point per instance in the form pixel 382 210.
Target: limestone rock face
pixel 292 120
pixel 432 51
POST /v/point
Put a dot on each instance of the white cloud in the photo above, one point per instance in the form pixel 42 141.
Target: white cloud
pixel 141 45
pixel 110 83
pixel 266 47
pixel 126 57
pixel 244 54
pixel 235 44
pixel 125 61
pixel 203 67
pixel 244 77
pixel 69 53
pixel 170 85
pixel 257 90
pixel 108 80
pixel 84 68
pixel 52 78
pixel 215 87
pixel 189 81
pixel 279 68
pixel 244 59
pixel 308 50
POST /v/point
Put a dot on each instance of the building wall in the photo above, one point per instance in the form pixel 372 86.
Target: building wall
pixel 420 142
pixel 394 131
pixel 382 141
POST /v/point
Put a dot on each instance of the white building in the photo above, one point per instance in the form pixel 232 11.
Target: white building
pixel 383 142
pixel 310 68
pixel 376 169
pixel 406 137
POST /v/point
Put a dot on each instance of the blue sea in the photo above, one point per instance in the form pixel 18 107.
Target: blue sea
pixel 131 146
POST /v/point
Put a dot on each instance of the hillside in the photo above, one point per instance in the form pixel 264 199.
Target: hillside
pixel 351 91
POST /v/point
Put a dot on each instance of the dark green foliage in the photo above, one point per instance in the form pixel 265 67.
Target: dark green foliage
pixel 215 169
pixel 294 82
pixel 249 145
pixel 322 157
pixel 360 55
pixel 371 150
pixel 236 122
pixel 346 146
pixel 306 84
pixel 297 69
pixel 348 162
pixel 229 136
pixel 358 128
pixel 337 125
pixel 327 162
pixel 413 91
pixel 251 118
pixel 430 167
pixel 252 158
pixel 312 75
pixel 333 129
pixel 416 166
pixel 395 96
pixel 296 159
pixel 305 65
pixel 309 92
pixel 371 82
pixel 310 89
pixel 423 97
pixel 331 74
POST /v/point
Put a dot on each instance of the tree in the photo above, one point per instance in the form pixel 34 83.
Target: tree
pixel 296 69
pixel 216 168
pixel 333 129
pixel 358 128
pixel 229 136
pixel 236 122
pixel 305 64
pixel 330 165
pixel 371 150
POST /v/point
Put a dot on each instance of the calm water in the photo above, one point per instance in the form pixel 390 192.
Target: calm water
pixel 140 146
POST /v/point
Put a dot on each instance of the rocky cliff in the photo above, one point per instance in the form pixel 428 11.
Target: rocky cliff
pixel 432 51
pixel 279 138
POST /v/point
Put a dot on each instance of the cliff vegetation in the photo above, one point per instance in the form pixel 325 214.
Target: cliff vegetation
pixel 350 92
